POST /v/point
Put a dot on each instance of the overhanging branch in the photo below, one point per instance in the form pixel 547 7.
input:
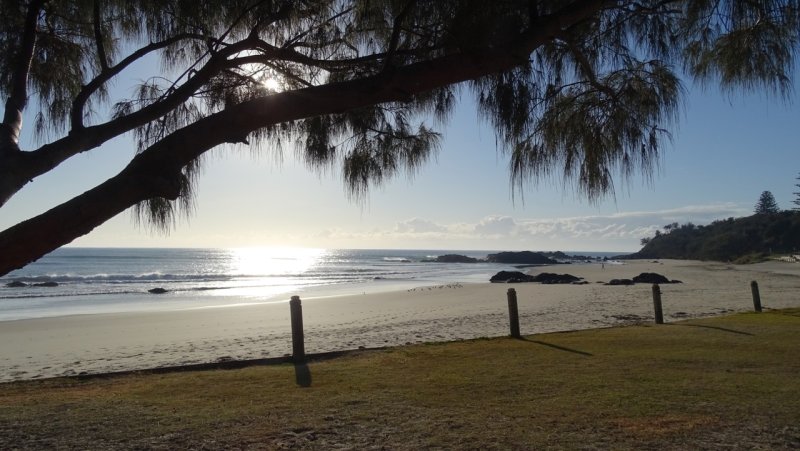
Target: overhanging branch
pixel 150 171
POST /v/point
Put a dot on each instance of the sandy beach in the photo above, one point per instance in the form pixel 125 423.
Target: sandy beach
pixel 90 344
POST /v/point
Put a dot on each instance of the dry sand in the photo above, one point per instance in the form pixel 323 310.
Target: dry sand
pixel 81 344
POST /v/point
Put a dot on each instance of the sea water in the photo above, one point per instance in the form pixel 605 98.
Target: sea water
pixel 107 280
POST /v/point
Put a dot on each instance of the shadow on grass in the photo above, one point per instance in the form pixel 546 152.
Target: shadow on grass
pixel 714 327
pixel 560 348
pixel 302 374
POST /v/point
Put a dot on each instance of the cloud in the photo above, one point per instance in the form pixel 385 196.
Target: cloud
pixel 417 225
pixel 615 232
pixel 496 225
pixel 702 214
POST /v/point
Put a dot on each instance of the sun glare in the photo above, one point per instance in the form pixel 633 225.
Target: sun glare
pixel 260 261
pixel 271 84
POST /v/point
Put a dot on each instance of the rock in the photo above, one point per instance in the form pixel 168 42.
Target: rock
pixel 620 282
pixel 45 284
pixel 550 278
pixel 524 257
pixel 16 284
pixel 545 277
pixel 510 277
pixel 157 290
pixel 651 277
pixel 454 258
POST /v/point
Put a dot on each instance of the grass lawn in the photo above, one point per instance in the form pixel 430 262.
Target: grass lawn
pixel 718 383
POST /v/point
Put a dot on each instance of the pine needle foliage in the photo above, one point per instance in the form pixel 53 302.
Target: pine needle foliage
pixel 796 200
pixel 590 104
pixel 766 204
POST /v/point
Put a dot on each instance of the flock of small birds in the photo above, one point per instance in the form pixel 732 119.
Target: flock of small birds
pixel 438 287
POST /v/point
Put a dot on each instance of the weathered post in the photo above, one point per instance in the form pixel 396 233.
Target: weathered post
pixel 657 304
pixel 513 313
pixel 298 346
pixel 756 296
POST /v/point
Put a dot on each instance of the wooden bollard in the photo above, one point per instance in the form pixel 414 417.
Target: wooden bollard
pixel 756 296
pixel 513 313
pixel 657 304
pixel 298 345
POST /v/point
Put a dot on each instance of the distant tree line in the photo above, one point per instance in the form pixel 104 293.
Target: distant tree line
pixel 753 238
pixel 740 240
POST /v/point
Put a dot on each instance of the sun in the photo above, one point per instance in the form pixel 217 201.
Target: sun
pixel 271 84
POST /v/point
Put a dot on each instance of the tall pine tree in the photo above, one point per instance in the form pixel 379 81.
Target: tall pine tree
pixel 766 204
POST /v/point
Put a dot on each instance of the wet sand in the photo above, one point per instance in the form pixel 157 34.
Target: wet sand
pixel 90 344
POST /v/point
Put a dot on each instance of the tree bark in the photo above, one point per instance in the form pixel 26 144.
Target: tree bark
pixel 17 170
pixel 156 171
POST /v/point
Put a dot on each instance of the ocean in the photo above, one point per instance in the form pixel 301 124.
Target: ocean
pixel 111 280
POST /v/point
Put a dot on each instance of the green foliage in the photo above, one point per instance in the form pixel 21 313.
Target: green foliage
pixel 740 240
pixel 796 201
pixel 766 204
pixel 590 104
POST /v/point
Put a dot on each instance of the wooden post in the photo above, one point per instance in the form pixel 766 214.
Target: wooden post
pixel 298 346
pixel 657 304
pixel 513 313
pixel 756 296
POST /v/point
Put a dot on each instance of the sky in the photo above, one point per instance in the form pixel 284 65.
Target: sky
pixel 726 150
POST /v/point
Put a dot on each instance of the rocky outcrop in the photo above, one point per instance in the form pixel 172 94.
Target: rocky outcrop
pixel 545 278
pixel 645 277
pixel 620 282
pixel 524 257
pixel 551 278
pixel 652 277
pixel 510 277
pixel 18 284
pixel 453 258
pixel 157 290
pixel 46 284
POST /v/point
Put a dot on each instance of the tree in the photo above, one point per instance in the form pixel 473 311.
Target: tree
pixel 766 204
pixel 671 227
pixel 796 201
pixel 583 88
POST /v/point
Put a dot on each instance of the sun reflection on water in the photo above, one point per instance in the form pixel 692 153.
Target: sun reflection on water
pixel 274 261
pixel 268 271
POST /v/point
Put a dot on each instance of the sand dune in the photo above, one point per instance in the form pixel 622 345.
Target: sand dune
pixel 71 345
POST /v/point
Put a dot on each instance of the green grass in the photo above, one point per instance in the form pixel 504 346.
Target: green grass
pixel 711 383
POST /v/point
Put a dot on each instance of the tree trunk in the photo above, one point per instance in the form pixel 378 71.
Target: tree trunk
pixel 155 172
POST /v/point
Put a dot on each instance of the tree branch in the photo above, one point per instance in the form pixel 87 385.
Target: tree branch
pixel 396 29
pixel 76 113
pixel 29 165
pixel 98 36
pixel 588 70
pixel 155 171
pixel 270 52
pixel 18 98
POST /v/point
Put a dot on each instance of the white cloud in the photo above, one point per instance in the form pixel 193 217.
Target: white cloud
pixel 615 232
pixel 417 225
pixel 496 226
